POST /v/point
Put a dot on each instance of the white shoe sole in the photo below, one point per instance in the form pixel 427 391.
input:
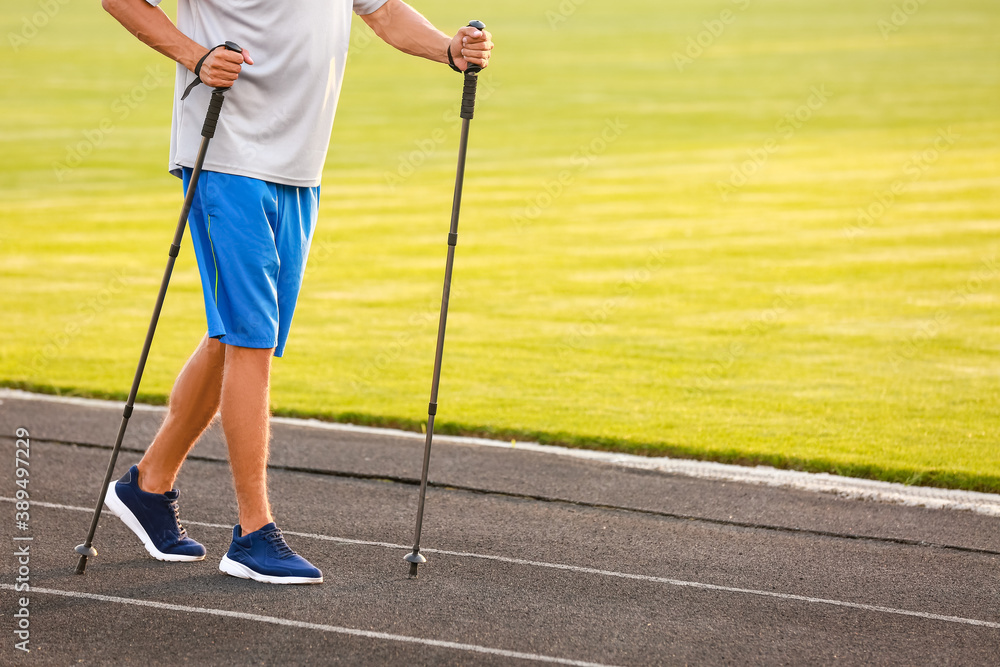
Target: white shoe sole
pixel 120 510
pixel 240 570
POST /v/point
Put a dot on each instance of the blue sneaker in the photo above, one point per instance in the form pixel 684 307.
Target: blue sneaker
pixel 153 517
pixel 264 556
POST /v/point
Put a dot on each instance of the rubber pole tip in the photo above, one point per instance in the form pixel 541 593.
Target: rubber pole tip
pixel 414 559
pixel 479 25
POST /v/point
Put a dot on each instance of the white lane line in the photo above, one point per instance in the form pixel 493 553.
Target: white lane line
pixel 322 627
pixel 604 573
pixel 847 487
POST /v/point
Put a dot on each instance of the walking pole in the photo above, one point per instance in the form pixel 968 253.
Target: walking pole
pixel 468 109
pixel 86 550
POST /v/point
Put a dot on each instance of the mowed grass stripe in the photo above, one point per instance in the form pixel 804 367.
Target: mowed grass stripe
pixel 635 309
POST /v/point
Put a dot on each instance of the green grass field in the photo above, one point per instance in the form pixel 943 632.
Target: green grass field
pixel 661 247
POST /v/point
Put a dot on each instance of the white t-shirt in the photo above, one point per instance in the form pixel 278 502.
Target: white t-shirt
pixel 277 118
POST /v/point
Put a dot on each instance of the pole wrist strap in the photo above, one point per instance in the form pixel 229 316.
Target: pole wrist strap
pixel 197 71
pixel 451 60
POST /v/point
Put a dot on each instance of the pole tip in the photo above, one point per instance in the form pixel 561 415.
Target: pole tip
pixel 415 559
pixel 85 553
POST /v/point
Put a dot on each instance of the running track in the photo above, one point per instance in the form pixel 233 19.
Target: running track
pixel 534 558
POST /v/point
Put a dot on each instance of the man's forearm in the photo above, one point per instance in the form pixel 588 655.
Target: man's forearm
pixel 155 29
pixel 403 27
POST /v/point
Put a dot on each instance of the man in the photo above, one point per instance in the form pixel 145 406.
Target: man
pixel 251 222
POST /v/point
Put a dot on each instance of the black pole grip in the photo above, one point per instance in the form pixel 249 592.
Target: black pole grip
pixel 469 95
pixel 471 81
pixel 214 109
pixel 218 97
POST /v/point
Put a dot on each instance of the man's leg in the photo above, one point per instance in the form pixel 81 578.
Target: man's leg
pixel 246 422
pixel 150 509
pixel 194 401
pixel 258 550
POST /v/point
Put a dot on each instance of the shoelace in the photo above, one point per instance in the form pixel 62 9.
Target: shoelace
pixel 277 540
pixel 182 531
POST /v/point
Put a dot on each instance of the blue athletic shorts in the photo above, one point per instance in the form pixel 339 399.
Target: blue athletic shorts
pixel 251 239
